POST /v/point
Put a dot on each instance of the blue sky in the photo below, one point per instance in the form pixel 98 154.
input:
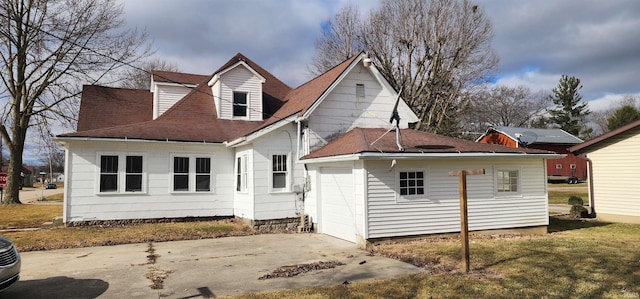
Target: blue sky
pixel 537 41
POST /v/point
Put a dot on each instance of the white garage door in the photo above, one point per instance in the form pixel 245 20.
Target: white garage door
pixel 337 204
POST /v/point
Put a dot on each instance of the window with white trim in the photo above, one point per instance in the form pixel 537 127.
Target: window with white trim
pixel 133 175
pixel 108 173
pixel 507 181
pixel 203 174
pixel 191 173
pixel 241 173
pixel 180 173
pixel 411 184
pixel 572 166
pixel 279 172
pixel 558 166
pixel 240 104
pixel 119 173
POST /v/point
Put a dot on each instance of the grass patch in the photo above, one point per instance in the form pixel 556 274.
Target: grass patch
pixel 581 259
pixel 26 215
pixel 562 196
pixel 56 197
pixel 86 236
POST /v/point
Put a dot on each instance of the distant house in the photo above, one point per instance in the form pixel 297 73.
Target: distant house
pixel 555 140
pixel 614 191
pixel 241 143
pixel 25 173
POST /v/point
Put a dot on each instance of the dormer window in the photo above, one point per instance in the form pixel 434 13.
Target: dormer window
pixel 239 104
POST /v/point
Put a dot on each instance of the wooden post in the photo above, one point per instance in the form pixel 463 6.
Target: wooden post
pixel 464 223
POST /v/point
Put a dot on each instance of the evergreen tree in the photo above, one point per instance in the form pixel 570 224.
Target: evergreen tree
pixel 623 116
pixel 569 112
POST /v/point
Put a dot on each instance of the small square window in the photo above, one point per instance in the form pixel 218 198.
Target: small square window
pixel 558 166
pixel 572 166
pixel 411 183
pixel 507 181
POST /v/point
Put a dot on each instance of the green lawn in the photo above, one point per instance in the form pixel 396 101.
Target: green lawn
pixel 558 195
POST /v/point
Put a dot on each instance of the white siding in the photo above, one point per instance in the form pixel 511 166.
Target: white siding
pixel 165 96
pixel 616 169
pixel 270 204
pixel 439 211
pixel 340 111
pixel 84 203
pixel 243 80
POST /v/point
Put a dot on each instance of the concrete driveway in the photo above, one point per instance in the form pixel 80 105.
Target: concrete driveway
pixel 195 269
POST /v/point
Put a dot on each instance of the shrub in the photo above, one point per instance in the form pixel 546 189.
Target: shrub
pixel 579 211
pixel 575 200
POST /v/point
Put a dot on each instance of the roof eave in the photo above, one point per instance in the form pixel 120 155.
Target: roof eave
pixel 423 156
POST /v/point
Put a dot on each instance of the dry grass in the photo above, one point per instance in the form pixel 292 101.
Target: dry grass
pixel 577 260
pixel 73 237
pixel 24 215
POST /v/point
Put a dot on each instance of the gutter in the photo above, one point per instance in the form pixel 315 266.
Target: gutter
pixel 64 140
pixel 416 156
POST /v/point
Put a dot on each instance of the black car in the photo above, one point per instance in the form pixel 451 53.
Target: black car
pixel 9 263
pixel 52 186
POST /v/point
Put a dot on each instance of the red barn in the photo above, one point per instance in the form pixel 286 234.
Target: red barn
pixel 555 140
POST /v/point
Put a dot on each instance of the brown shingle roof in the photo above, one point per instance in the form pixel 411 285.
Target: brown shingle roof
pixel 191 119
pixel 176 77
pixel 103 107
pixel 361 140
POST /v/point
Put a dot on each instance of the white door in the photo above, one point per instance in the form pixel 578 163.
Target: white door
pixel 337 204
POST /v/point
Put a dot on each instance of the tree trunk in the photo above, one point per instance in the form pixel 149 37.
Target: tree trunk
pixel 14 179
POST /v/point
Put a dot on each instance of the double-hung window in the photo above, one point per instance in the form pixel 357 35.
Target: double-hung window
pixel 180 173
pixel 203 174
pixel 121 173
pixel 109 173
pixel 279 172
pixel 239 104
pixel 507 181
pixel 133 176
pixel 191 173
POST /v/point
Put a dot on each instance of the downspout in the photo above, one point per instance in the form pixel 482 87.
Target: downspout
pixel 590 182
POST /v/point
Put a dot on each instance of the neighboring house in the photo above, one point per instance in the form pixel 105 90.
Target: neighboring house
pixel 614 191
pixel 555 140
pixel 242 143
pixel 59 177
pixel 25 173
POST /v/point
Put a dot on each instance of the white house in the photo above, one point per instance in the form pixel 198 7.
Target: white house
pixel 242 143
pixel 614 168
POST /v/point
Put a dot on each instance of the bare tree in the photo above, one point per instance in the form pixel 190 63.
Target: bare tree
pixel 431 50
pixel 46 48
pixel 599 119
pixel 504 106
pixel 139 77
pixel 341 39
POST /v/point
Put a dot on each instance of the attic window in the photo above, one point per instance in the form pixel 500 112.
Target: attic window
pixel 239 104
pixel 359 93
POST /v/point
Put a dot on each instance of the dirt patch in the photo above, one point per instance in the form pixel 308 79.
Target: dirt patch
pixel 157 277
pixel 293 270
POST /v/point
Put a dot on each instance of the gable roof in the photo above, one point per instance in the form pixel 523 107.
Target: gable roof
pixel 549 136
pixel 300 99
pixel 607 138
pixel 381 142
pixel 103 107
